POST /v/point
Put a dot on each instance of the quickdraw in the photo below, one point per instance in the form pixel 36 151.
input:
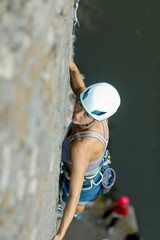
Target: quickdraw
pixel 75 19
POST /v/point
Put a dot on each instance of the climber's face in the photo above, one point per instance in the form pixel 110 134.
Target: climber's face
pixel 80 116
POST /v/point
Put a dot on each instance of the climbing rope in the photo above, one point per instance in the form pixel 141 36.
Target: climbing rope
pixel 75 19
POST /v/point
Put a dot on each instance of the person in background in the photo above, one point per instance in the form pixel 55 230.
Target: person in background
pixel 118 210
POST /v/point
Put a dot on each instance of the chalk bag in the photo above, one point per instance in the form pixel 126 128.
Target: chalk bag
pixel 109 177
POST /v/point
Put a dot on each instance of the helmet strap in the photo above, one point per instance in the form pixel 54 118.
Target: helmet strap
pixel 87 125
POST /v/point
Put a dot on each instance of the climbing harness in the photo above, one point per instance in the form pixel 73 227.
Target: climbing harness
pixel 75 19
pixel 107 175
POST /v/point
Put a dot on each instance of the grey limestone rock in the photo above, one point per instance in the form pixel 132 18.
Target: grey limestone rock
pixel 35 108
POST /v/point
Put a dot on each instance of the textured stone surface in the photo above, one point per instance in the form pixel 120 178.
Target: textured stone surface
pixel 35 108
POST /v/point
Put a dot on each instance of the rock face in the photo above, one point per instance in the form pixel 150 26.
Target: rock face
pixel 35 108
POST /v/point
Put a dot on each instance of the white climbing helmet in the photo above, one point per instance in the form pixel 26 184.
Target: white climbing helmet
pixel 100 100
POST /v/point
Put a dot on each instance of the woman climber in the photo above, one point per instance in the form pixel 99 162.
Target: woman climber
pixel 85 144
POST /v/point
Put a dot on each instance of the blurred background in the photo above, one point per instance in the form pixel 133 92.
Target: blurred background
pixel 119 43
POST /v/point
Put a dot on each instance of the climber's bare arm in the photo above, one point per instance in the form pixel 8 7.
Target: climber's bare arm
pixel 80 155
pixel 76 81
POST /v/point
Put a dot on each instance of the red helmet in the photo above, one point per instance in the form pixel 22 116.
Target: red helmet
pixel 123 201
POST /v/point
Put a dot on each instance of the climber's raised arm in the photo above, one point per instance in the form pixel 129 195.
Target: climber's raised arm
pixel 76 81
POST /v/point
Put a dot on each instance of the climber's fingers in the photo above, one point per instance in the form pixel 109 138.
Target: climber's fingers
pixel 72 65
pixel 57 237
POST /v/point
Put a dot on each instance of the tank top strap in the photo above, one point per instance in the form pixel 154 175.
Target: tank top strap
pixel 97 136
pixel 88 131
pixel 104 127
pixel 87 135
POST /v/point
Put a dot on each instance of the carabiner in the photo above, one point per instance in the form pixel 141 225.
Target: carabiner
pixel 75 20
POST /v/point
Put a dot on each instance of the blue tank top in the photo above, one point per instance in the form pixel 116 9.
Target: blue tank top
pixel 66 157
